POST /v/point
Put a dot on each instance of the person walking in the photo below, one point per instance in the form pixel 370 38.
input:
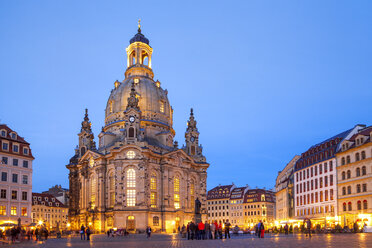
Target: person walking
pixel 148 231
pixel 88 233
pixel 82 232
pixel 213 230
pixel 227 229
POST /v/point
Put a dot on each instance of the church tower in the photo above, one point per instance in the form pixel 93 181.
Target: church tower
pixel 192 139
pixel 86 136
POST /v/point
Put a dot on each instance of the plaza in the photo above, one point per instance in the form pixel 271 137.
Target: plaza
pixel 163 240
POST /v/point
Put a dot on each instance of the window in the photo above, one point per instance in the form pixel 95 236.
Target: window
pixel 359 205
pixel 25 164
pixel 3 133
pixel 131 132
pixel 15 148
pixel 161 106
pixel 344 206
pixel 331 180
pixel 326 195
pixel 112 189
pixel 13 135
pixel 365 204
pixel 364 170
pixel 349 206
pixel 321 182
pixel 343 161
pixel 363 155
pixel 348 159
pixel 358 172
pixel 15 178
pixel 93 191
pixel 364 187
pixel 330 166
pixel 131 185
pixel 24 211
pixel 5 160
pixel 14 194
pixel 192 193
pixel 25 179
pixel 331 194
pixel 2 210
pixel 349 190
pixel 177 192
pixel 5 146
pixel 153 188
pixel 13 211
pixel 15 162
pixel 312 171
pixel 155 221
pixel 348 174
pixel 358 188
pixel 325 181
pixel 25 151
pixel 24 196
pixel 4 176
pixel 320 169
pixel 343 175
pixel 325 168
pixel 316 196
pixel 357 157
pixel 316 183
pixel 3 194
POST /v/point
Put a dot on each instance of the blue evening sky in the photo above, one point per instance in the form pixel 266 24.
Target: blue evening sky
pixel 267 79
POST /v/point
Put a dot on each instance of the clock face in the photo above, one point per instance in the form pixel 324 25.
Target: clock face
pixel 192 138
pixel 132 119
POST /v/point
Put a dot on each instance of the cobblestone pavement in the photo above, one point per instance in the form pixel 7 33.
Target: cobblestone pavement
pixel 362 240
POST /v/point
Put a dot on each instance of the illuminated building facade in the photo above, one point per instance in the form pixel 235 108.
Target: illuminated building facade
pixel 137 177
pixel 315 180
pixel 284 195
pixel 354 172
pixel 48 210
pixel 241 206
pixel 16 177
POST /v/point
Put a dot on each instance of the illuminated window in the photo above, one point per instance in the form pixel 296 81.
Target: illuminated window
pixel 2 210
pixel 131 185
pixel 24 211
pixel 153 188
pixel 13 211
pixel 155 221
pixel 111 108
pixel 161 107
pixel 131 154
pixel 93 190
pixel 112 189
pixel 192 193
pixel 176 192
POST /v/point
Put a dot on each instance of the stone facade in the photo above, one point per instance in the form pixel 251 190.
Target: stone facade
pixel 137 176
pixel 354 172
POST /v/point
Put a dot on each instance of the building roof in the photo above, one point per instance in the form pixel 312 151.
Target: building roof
pixel 18 139
pixel 237 193
pixel 46 200
pixel 322 151
pixel 219 192
pixel 255 195
pixel 363 132
pixel 139 37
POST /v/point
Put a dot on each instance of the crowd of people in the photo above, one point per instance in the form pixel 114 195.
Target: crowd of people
pixel 19 234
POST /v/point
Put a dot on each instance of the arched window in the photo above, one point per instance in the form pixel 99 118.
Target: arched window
pixel 343 190
pixel 348 174
pixel 176 192
pixel 358 188
pixel 363 155
pixel 359 205
pixel 111 108
pixel 145 60
pixel 343 175
pixel 82 151
pixel 357 157
pixel 131 132
pixel 132 58
pixel 161 108
pixel 365 204
pixel 131 188
pixel 349 206
pixel 153 189
pixel 155 221
pixel 349 190
pixel 192 193
pixel 348 159
pixel 112 189
pixel 358 172
pixel 364 170
pixel 344 206
pixel 93 191
pixel 342 161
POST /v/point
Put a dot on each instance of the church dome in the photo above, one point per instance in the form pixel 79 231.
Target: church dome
pixel 153 101
pixel 139 37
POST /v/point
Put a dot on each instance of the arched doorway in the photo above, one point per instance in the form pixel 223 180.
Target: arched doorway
pixel 131 223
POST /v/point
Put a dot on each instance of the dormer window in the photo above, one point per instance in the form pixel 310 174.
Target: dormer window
pixel 13 136
pixel 39 198
pixel 46 198
pixel 50 204
pixel 34 197
pixel 25 151
pixel 57 204
pixel 53 199
pixel 3 133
